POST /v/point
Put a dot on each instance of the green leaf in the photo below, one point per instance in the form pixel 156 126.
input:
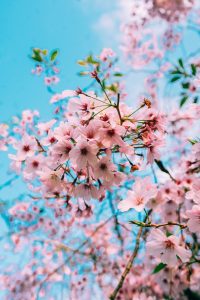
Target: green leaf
pixel 191 295
pixel 37 57
pixel 193 142
pixel 175 78
pixel 84 73
pixel 118 74
pixel 90 60
pixel 81 62
pixel 158 268
pixel 180 61
pixel 176 71
pixel 183 100
pixel 36 51
pixel 44 51
pixel 54 54
pixel 168 233
pixel 186 85
pixel 161 166
pixel 196 99
pixel 112 88
pixel 194 69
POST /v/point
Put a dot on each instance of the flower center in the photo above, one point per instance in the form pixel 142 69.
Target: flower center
pixel 103 166
pixel 169 244
pixel 84 151
pixel 67 149
pixel 26 148
pixel 35 164
pixel 139 201
pixel 52 140
pixel 110 132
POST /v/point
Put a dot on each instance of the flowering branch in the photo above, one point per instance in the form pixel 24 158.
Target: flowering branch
pixel 142 224
pixel 129 264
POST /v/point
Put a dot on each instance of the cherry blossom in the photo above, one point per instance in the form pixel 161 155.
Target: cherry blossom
pixel 166 248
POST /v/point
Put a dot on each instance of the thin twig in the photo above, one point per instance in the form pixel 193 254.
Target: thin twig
pixel 142 224
pixel 129 264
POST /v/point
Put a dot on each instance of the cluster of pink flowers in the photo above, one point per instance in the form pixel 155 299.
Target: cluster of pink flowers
pixel 46 63
pixel 80 156
pixel 109 185
pixel 142 45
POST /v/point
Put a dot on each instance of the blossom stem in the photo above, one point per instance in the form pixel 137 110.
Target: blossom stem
pixel 142 224
pixel 118 110
pixel 94 98
pixel 135 110
pixel 129 264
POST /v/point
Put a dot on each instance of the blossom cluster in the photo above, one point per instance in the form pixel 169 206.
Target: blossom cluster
pixel 112 205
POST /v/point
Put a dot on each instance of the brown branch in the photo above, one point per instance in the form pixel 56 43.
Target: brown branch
pixel 129 264
pixel 142 224
pixel 118 109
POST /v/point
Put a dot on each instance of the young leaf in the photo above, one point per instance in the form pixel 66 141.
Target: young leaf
pixel 90 60
pixel 44 51
pixel 176 71
pixel 161 166
pixel 186 85
pixel 180 61
pixel 54 54
pixel 175 78
pixel 158 268
pixel 81 63
pixel 196 99
pixel 37 57
pixel 118 74
pixel 194 69
pixel 84 73
pixel 183 100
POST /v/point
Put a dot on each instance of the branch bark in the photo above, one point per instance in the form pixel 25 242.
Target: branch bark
pixel 129 264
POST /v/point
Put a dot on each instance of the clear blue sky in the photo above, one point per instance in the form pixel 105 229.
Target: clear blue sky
pixel 64 24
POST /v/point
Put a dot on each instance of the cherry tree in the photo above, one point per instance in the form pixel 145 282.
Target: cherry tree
pixel 111 207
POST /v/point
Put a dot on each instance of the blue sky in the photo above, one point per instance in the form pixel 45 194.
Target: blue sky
pixel 65 24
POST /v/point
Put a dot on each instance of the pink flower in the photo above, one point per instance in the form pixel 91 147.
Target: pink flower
pixel 143 191
pixel 194 193
pixel 84 154
pixel 63 131
pixel 65 94
pixel 166 248
pixel 34 164
pixel 153 144
pixel 50 139
pixel 81 105
pixel 4 130
pixel 86 191
pixel 45 127
pixel 48 81
pixel 90 131
pixel 196 150
pixel 111 135
pixel 51 179
pixel 104 169
pixel 106 52
pixel 55 79
pixel 19 207
pixel 194 219
pixel 60 151
pixel 26 147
